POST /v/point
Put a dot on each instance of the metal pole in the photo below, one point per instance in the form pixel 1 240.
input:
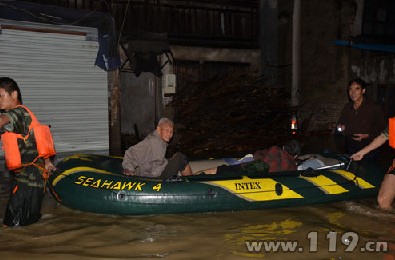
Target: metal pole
pixel 114 112
pixel 295 91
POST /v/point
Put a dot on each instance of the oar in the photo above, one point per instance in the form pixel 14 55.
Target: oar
pixel 309 172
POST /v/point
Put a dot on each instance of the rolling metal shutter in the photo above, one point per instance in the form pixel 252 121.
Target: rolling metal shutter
pixel 54 67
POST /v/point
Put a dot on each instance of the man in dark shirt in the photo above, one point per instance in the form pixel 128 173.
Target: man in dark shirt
pixel 361 119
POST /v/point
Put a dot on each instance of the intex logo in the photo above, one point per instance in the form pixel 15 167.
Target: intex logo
pixel 248 186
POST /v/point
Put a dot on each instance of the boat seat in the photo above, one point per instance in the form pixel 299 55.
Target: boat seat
pixel 200 165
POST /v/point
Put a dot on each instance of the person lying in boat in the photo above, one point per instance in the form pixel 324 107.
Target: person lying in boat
pixel 273 159
pixel 147 158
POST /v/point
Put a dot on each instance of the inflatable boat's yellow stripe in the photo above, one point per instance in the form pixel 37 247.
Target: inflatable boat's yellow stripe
pixel 82 157
pixel 326 185
pixel 358 181
pixel 78 169
pixel 256 189
pixel 264 189
pixel 86 157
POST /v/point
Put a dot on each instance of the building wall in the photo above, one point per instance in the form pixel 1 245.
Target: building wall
pixel 324 71
pixel 194 23
pixel 378 70
pixel 327 68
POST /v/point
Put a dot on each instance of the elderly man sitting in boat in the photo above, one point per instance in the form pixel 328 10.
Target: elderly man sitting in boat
pixel 147 158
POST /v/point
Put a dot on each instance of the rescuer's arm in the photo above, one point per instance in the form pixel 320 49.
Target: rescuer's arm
pixel 376 143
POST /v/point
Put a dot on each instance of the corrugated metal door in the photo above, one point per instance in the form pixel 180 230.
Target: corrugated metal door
pixel 54 67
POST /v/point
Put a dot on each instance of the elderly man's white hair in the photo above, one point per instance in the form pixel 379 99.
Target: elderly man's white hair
pixel 165 121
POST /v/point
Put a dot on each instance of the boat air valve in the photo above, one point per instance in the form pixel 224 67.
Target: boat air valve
pixel 211 193
pixel 121 195
pixel 279 189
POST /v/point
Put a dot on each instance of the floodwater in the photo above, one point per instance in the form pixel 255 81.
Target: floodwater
pixel 342 230
pixel 68 234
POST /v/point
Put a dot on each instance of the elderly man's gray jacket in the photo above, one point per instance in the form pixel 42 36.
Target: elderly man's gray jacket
pixel 147 158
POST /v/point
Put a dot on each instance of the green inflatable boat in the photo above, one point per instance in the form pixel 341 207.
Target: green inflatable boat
pixel 95 183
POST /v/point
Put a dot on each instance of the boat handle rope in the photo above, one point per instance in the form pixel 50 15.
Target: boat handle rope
pixel 356 175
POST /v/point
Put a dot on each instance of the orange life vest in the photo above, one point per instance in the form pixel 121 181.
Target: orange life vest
pixel 44 142
pixel 391 132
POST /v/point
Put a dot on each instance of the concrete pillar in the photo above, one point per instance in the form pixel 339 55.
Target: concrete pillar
pixel 295 90
pixel 269 37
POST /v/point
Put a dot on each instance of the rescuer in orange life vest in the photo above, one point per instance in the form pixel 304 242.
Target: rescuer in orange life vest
pixel 386 194
pixel 27 146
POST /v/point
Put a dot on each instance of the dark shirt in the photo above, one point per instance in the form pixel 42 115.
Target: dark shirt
pixel 367 119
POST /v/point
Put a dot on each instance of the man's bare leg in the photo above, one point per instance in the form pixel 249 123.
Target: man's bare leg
pixel 387 192
pixel 187 171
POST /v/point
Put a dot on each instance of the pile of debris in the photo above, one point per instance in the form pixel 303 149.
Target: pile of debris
pixel 232 116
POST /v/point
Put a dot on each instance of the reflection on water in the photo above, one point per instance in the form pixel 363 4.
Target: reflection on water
pixel 67 234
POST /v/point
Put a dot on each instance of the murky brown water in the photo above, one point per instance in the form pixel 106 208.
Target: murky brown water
pixel 67 234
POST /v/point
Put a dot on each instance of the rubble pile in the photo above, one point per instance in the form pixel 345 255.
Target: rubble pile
pixel 231 116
